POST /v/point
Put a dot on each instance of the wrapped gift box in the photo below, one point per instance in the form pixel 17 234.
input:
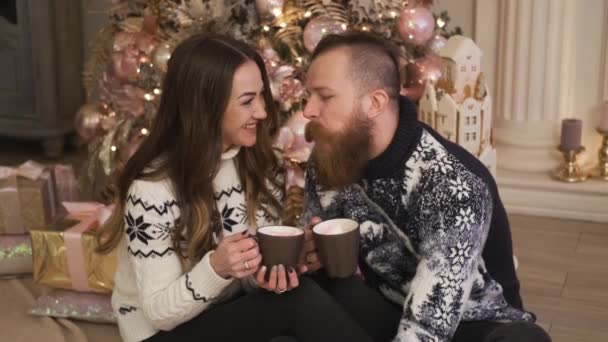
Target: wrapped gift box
pixel 68 189
pixel 64 255
pixel 15 255
pixel 27 198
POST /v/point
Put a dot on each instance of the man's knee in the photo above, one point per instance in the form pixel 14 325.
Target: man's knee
pixel 519 332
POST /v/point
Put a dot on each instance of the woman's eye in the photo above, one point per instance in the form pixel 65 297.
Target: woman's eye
pixel 248 102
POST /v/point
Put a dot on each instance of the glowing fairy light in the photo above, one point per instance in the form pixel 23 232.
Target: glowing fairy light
pixel 277 12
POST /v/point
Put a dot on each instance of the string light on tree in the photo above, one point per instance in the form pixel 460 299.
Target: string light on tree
pixel 440 22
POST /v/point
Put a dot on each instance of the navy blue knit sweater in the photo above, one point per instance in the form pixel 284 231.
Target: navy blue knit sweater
pixel 435 237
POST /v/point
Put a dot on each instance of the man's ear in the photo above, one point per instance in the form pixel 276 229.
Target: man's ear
pixel 377 103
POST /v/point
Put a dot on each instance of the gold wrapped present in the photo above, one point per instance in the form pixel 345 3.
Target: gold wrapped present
pixel 27 198
pixel 64 255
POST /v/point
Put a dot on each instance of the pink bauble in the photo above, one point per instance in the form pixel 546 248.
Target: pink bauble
pixel 436 43
pixel 430 68
pixel 416 25
pixel 88 121
pixel 317 28
pixel 427 68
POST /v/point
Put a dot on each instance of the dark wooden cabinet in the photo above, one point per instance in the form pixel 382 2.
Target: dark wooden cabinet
pixel 40 70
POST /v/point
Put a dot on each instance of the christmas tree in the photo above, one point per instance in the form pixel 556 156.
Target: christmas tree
pixel 129 57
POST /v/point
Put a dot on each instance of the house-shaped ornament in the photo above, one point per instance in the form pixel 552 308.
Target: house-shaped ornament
pixel 461 66
pixel 459 105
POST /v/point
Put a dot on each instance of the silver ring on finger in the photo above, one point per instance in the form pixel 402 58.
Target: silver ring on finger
pixel 279 291
pixel 246 264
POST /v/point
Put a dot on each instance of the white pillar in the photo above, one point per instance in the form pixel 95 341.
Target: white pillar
pixel 533 82
pixel 544 60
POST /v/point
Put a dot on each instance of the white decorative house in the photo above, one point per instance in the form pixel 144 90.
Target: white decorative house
pixel 459 105
pixel 461 59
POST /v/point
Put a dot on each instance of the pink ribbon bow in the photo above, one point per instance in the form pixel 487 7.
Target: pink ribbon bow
pixel 30 170
pixel 90 215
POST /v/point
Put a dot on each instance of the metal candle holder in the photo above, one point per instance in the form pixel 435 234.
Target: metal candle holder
pixel 601 170
pixel 569 171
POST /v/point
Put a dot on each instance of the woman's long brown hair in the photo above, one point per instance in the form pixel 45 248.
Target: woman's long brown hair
pixel 185 144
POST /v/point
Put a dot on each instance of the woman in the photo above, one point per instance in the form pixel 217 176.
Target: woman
pixel 190 197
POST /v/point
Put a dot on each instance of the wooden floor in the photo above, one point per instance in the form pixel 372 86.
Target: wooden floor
pixel 563 265
pixel 563 268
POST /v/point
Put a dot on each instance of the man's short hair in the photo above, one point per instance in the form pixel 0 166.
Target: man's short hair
pixel 374 60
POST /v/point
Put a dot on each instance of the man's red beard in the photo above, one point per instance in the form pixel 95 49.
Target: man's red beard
pixel 340 158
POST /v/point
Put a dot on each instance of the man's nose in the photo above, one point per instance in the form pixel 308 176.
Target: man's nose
pixel 310 111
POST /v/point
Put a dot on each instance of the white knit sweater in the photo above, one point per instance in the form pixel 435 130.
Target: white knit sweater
pixel 152 290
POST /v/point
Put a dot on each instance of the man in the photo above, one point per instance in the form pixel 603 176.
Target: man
pixel 426 207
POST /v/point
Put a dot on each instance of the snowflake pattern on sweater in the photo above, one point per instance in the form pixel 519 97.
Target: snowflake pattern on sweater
pixel 423 230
